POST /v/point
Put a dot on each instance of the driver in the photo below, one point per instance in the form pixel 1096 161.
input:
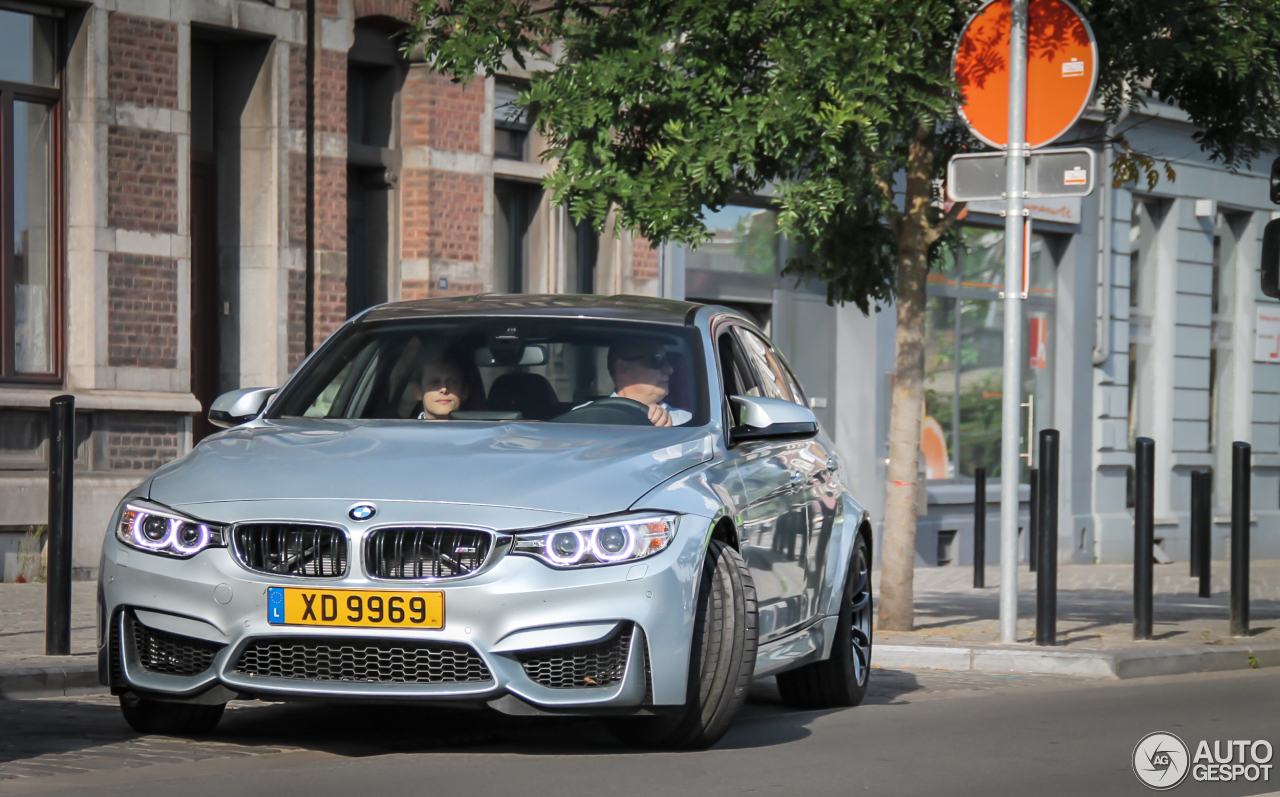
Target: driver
pixel 441 388
pixel 642 372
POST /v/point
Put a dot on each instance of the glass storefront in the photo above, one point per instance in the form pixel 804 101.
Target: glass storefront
pixel 964 351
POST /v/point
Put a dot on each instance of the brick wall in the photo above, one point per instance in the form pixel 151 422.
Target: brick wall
pixel 439 113
pixel 396 9
pixel 142 61
pixel 441 214
pixel 644 259
pixel 142 441
pixel 297 318
pixel 142 179
pixel 142 321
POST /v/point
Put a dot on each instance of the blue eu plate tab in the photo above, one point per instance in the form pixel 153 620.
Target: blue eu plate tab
pixel 275 605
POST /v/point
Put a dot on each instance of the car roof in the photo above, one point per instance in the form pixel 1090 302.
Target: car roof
pixel 624 308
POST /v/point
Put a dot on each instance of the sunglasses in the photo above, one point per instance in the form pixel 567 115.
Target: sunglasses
pixel 654 361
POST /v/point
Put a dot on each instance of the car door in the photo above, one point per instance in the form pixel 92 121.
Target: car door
pixel 771 527
pixel 814 507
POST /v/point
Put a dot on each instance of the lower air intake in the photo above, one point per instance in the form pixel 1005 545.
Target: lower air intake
pixel 170 654
pixel 601 663
pixel 365 661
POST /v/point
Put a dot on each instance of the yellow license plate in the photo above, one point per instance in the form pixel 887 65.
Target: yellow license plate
pixel 355 608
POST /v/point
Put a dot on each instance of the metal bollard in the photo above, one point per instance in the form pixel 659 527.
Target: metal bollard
pixel 1143 535
pixel 62 455
pixel 1047 572
pixel 1241 474
pixel 979 528
pixel 1033 522
pixel 1201 536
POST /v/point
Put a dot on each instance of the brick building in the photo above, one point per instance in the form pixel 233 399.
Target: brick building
pixel 186 218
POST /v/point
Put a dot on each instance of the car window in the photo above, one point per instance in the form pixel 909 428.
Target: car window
pixel 502 369
pixel 773 381
pixel 736 375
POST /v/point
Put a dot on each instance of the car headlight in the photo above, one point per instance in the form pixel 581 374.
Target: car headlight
pixel 154 529
pixel 605 542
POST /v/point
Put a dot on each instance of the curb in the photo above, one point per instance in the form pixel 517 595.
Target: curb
pixel 1125 663
pixel 25 683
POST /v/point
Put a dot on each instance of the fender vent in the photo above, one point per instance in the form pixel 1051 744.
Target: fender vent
pixel 170 654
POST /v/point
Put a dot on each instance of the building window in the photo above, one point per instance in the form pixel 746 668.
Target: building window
pixel 744 240
pixel 516 202
pixel 29 247
pixel 964 352
pixel 510 121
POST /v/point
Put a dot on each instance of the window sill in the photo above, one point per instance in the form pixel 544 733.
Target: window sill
pixel 102 399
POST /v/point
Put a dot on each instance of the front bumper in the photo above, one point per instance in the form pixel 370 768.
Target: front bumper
pixel 504 614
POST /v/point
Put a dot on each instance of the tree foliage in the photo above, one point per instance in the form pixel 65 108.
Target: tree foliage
pixel 658 108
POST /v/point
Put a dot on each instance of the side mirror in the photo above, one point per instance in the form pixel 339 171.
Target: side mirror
pixel 239 406
pixel 766 418
pixel 1271 259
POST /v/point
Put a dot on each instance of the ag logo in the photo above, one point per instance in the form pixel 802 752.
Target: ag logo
pixel 1161 760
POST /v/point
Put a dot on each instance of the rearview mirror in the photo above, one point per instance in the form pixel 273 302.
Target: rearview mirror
pixel 1271 259
pixel 239 406
pixel 530 355
pixel 757 418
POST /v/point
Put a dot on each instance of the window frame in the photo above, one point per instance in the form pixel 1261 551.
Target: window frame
pixel 11 92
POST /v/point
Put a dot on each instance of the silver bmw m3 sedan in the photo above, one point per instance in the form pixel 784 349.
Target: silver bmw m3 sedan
pixel 610 506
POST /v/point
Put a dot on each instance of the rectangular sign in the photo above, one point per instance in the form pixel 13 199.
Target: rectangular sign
pixel 1268 334
pixel 355 608
pixel 1050 174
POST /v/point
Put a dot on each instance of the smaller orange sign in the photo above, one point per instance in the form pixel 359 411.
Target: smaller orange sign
pixel 1039 340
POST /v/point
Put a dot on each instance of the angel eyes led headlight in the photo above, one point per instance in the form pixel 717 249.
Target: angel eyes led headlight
pixel 150 528
pixel 607 542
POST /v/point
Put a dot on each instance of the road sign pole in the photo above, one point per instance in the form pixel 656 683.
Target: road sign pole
pixel 1011 420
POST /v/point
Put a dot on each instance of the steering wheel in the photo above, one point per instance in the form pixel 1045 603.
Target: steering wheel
pixel 614 410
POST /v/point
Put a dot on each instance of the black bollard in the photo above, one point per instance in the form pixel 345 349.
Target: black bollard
pixel 1047 572
pixel 979 528
pixel 1201 537
pixel 62 455
pixel 1033 522
pixel 1241 473
pixel 1143 535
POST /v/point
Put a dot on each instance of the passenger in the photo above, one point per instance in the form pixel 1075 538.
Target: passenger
pixel 441 388
pixel 642 372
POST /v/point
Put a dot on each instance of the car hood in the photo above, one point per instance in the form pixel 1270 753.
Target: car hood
pixel 576 469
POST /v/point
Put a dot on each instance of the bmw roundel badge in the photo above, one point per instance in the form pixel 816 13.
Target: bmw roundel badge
pixel 362 512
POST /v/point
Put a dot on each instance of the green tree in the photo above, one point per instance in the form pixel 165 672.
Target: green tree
pixel 655 109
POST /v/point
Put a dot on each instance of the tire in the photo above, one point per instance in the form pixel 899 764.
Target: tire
pixel 721 661
pixel 841 680
pixel 171 719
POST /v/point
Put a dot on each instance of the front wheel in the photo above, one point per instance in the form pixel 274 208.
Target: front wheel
pixel 842 679
pixel 171 719
pixel 721 661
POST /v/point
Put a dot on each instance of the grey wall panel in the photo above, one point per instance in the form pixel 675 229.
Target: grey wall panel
pixel 1266 438
pixel 1193 308
pixel 1192 341
pixel 1195 278
pixel 1189 436
pixel 1266 378
pixel 1191 372
pixel 1190 405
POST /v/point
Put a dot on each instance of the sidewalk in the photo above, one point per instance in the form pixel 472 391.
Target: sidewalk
pixel 957 626
pixel 24 669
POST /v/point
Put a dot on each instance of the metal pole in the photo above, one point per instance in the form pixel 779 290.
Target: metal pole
pixel 1198 528
pixel 1011 415
pixel 1203 481
pixel 1047 526
pixel 62 455
pixel 979 528
pixel 1143 535
pixel 1241 472
pixel 1033 521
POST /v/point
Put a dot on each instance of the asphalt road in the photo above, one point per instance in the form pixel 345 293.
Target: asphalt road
pixel 919 732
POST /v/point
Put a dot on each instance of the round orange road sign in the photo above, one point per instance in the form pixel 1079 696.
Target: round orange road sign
pixel 1062 58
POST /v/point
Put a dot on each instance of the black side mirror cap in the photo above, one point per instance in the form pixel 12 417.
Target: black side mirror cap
pixel 1271 256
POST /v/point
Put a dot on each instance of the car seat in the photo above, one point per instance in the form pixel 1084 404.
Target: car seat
pixel 531 395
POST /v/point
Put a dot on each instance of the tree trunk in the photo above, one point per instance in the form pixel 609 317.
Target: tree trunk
pixel 897 568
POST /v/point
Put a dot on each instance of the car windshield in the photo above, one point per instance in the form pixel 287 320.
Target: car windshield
pixel 561 370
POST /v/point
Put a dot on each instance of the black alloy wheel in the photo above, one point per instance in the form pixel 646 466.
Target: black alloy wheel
pixel 841 680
